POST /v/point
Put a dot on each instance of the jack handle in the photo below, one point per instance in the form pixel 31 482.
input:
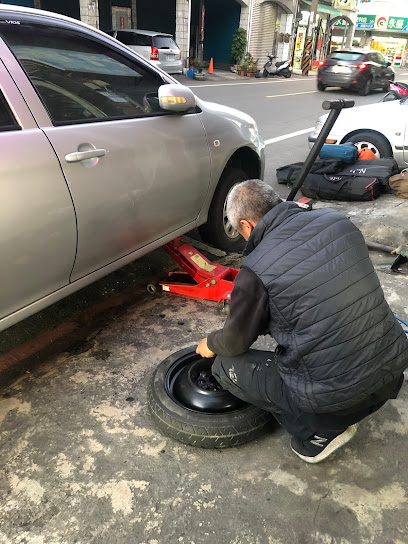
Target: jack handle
pixel 335 107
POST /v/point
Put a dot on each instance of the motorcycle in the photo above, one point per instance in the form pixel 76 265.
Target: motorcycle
pixel 270 69
pixel 397 91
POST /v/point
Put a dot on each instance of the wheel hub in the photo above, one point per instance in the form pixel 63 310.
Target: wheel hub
pixel 191 384
pixel 368 145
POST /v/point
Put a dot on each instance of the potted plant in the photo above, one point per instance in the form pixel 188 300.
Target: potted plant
pixel 250 65
pixel 241 70
pixel 238 47
pixel 199 65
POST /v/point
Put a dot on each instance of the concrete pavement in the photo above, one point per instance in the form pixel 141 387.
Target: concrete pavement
pixel 83 463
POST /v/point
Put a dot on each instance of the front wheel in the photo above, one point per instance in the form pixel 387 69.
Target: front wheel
pixel 218 230
pixel 376 143
pixel 265 73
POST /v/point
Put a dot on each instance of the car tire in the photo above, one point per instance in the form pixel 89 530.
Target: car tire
pixel 218 231
pixel 321 86
pixel 216 429
pixel 378 144
pixel 366 88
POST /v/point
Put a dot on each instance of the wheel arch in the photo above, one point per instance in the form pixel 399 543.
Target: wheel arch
pixel 247 160
pixel 376 132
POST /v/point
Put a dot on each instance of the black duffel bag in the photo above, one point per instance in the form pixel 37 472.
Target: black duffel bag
pixel 290 172
pixel 382 169
pixel 339 187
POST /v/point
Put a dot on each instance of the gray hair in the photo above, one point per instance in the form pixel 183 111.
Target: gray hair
pixel 250 200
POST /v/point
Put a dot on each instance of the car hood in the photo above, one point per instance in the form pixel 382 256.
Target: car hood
pixel 233 114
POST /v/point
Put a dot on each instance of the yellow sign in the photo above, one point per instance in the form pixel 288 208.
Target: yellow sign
pixel 344 4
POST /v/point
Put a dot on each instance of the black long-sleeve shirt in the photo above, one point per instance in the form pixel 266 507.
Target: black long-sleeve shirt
pixel 248 317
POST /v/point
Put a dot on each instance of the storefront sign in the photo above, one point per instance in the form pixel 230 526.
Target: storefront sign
pixel 378 22
pixel 397 23
pixel 363 22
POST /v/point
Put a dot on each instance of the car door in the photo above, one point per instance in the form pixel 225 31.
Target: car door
pixel 135 172
pixel 37 221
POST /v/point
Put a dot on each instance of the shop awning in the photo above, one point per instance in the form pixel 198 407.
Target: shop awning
pixel 322 8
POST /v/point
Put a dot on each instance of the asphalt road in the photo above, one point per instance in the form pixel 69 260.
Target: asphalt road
pixel 280 107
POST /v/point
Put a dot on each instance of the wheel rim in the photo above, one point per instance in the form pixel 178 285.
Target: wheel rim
pixel 370 146
pixel 229 230
pixel 190 383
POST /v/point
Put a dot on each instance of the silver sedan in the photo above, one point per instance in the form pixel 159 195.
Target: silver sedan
pixel 103 158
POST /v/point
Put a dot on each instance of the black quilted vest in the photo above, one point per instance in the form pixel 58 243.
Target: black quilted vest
pixel 340 340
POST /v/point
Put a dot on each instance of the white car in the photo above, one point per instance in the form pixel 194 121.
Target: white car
pixel 158 48
pixel 382 127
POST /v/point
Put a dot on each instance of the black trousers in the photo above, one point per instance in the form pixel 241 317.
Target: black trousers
pixel 254 378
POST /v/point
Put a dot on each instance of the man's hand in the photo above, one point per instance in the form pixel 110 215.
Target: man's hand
pixel 202 349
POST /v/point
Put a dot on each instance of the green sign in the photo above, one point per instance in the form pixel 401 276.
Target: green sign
pixel 397 23
pixel 367 22
pixel 363 22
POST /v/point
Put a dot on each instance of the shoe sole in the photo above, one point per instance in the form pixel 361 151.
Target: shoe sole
pixel 334 445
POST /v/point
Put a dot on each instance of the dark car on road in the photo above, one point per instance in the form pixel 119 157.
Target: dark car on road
pixel 354 69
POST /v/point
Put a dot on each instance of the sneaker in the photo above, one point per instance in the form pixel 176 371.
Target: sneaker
pixel 319 447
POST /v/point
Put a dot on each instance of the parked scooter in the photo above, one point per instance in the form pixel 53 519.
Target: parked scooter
pixel 397 91
pixel 282 69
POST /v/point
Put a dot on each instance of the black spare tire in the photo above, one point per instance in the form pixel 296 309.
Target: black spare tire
pixel 188 404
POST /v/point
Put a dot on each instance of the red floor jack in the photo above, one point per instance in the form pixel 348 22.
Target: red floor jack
pixel 204 280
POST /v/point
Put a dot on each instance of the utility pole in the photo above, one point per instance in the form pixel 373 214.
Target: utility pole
pixel 307 51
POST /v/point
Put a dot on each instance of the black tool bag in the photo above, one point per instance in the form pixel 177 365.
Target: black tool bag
pixel 382 169
pixel 290 172
pixel 340 187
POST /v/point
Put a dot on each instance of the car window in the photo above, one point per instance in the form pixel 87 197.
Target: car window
pixel 379 58
pixel 164 42
pixel 143 39
pixel 7 120
pixel 345 55
pixel 80 79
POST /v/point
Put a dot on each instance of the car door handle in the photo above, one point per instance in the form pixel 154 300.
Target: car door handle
pixel 79 156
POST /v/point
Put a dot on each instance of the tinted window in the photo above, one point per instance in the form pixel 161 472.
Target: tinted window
pixel 345 55
pixel 143 39
pixel 379 58
pixel 7 121
pixel 164 42
pixel 79 79
pixel 133 38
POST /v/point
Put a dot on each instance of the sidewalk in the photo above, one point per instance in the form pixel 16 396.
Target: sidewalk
pixel 383 221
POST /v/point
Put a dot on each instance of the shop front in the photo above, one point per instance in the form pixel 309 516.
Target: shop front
pixel 387 34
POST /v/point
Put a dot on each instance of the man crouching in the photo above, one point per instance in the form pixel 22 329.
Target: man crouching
pixel 306 279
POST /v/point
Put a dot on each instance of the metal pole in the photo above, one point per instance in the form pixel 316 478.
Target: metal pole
pixel 249 27
pixel 307 51
pixel 189 30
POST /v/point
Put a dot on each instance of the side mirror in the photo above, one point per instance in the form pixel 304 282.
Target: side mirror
pixel 388 63
pixel 176 98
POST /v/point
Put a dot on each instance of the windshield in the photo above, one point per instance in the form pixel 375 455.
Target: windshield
pixel 164 42
pixel 345 55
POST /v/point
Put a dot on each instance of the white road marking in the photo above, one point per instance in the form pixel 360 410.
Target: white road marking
pixel 290 94
pixel 287 136
pixel 249 83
